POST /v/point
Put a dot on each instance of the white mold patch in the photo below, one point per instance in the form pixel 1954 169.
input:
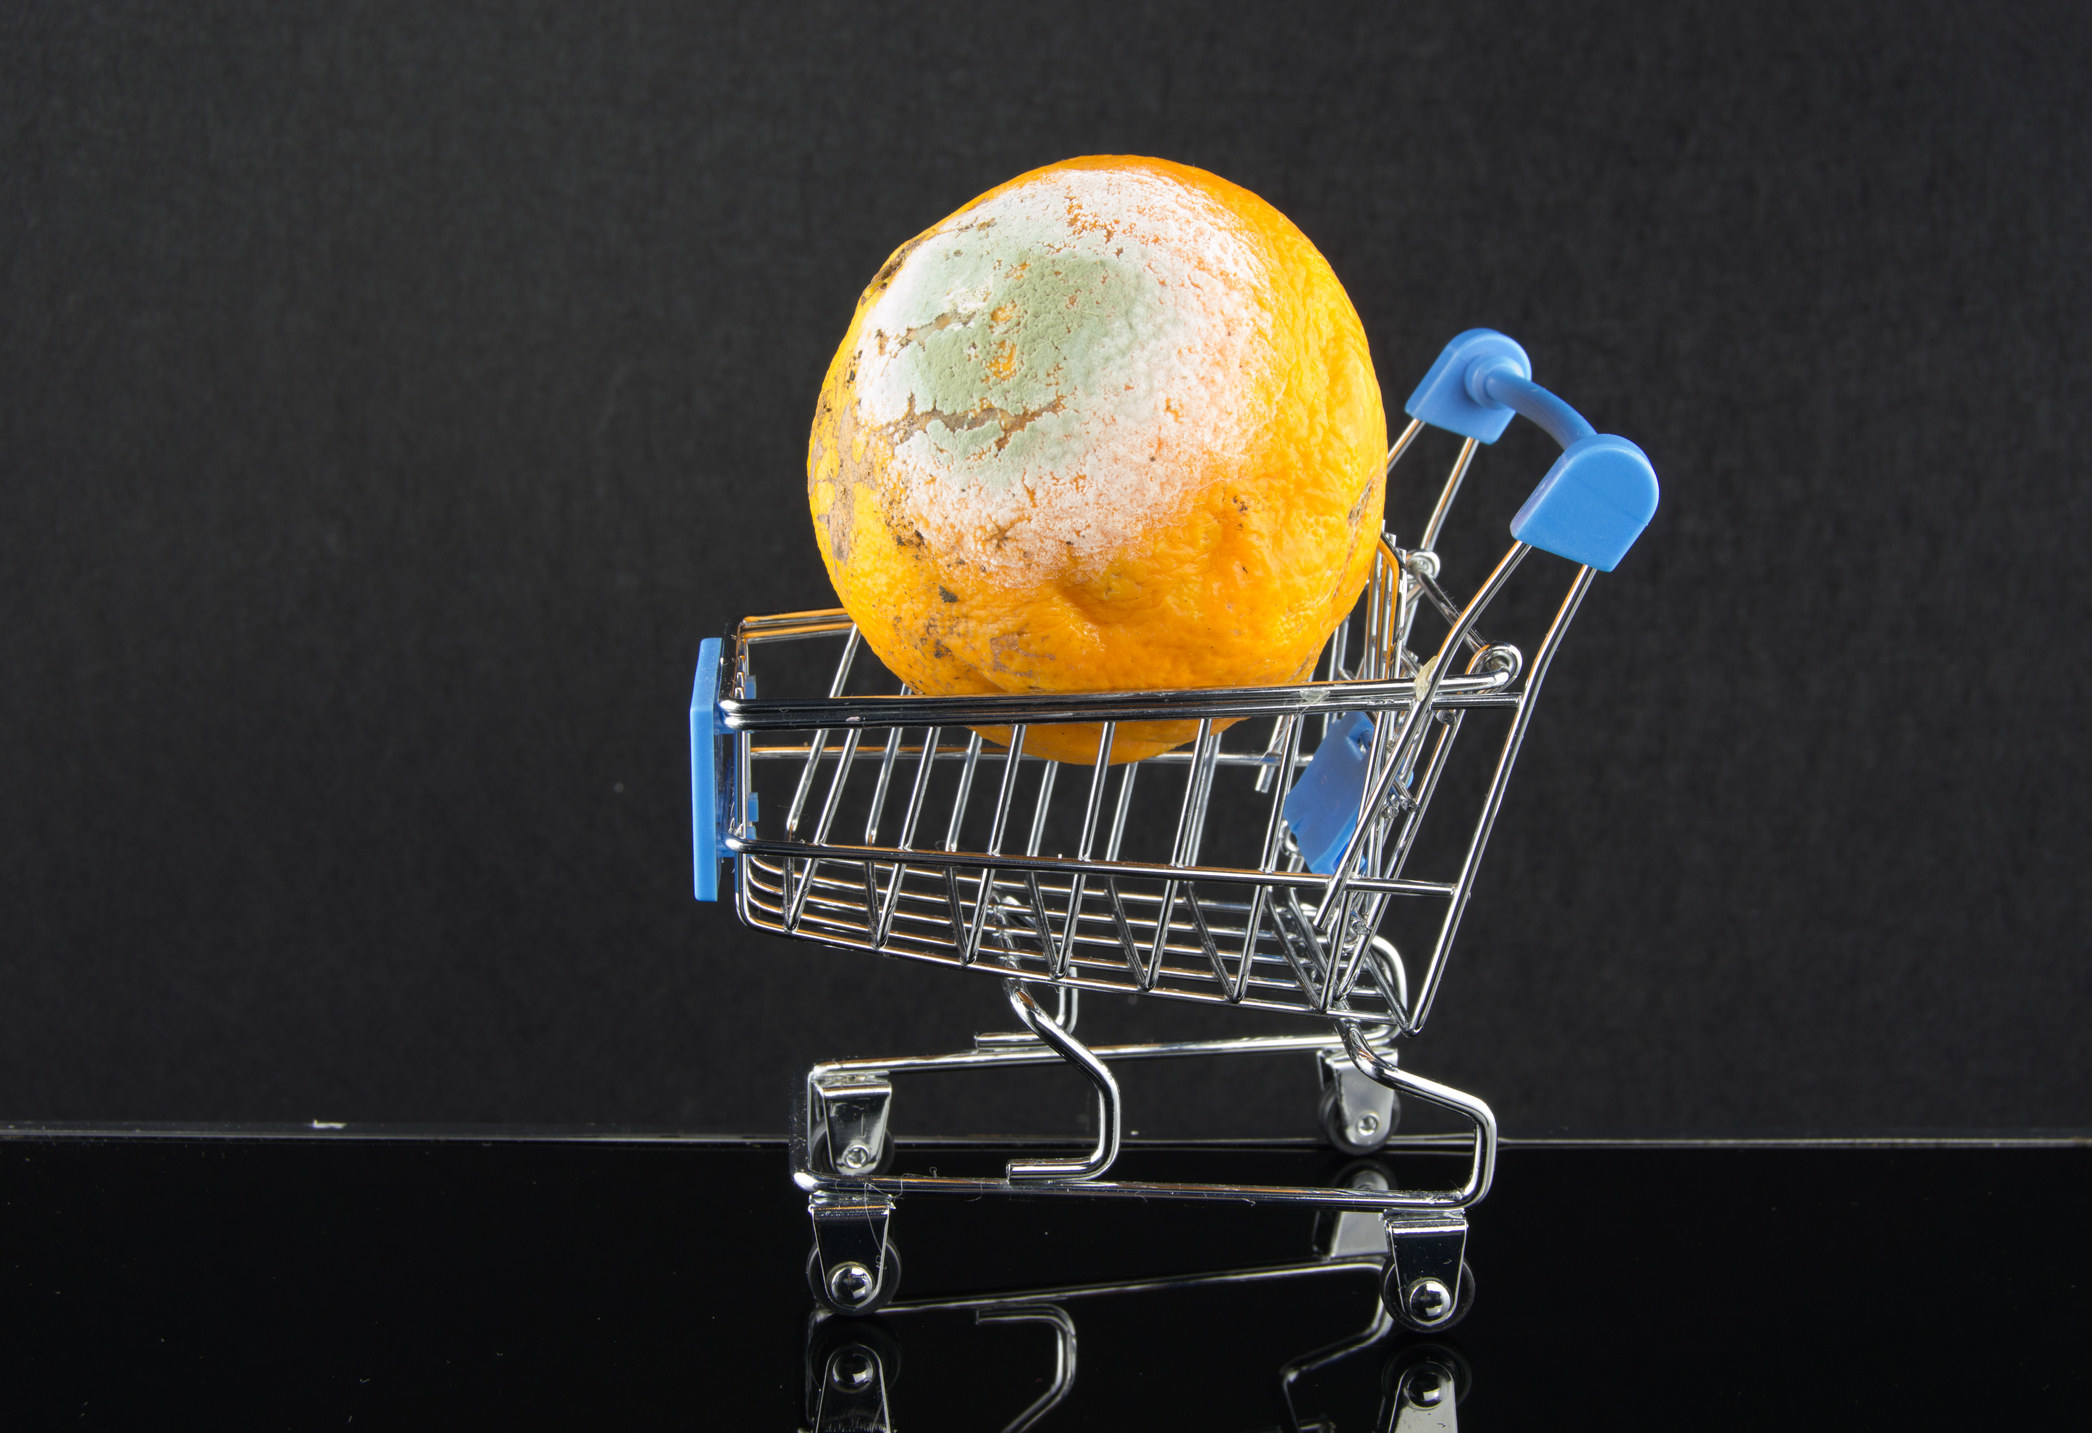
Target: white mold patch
pixel 1053 368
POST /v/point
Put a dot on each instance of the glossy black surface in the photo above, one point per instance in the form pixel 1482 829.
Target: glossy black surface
pixel 311 1282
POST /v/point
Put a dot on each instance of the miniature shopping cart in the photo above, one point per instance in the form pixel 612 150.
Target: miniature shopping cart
pixel 1279 861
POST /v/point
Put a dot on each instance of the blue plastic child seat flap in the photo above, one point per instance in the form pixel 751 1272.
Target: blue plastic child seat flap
pixel 1446 400
pixel 704 770
pixel 1322 808
pixel 1593 503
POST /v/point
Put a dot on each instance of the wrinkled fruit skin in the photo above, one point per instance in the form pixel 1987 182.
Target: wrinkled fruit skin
pixel 1111 426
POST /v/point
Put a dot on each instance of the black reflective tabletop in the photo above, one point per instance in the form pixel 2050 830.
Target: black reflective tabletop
pixel 335 1280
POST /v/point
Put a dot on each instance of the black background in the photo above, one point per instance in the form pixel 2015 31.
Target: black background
pixel 391 397
pixel 313 1282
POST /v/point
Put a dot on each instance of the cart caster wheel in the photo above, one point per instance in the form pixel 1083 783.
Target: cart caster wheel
pixel 1427 1306
pixel 1362 1133
pixel 848 1290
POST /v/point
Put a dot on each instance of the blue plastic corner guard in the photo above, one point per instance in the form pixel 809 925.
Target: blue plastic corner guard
pixel 1446 400
pixel 1322 807
pixel 1599 495
pixel 704 770
pixel 1593 503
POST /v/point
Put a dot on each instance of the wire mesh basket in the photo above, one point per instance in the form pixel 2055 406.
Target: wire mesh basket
pixel 1279 860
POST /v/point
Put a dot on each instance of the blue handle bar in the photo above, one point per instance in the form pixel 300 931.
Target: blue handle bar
pixel 704 770
pixel 1599 495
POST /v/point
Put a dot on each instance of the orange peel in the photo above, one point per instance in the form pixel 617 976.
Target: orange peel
pixel 1111 426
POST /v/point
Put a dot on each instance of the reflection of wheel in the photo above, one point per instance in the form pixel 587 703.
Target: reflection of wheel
pixel 1354 1137
pixel 1416 1373
pixel 836 1349
pixel 848 1289
pixel 1412 1307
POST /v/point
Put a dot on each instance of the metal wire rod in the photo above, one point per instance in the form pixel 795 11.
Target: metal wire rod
pixel 1388 786
pixel 1036 708
pixel 1463 886
pixel 1108 1103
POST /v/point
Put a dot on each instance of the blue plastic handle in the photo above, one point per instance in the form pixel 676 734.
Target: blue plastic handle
pixel 1598 496
pixel 1593 503
pixel 704 770
pixel 1322 807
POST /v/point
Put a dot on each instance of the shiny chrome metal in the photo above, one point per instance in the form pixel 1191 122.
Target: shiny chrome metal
pixel 1423 1391
pixel 1463 887
pixel 1359 1113
pixel 1354 1234
pixel 826 821
pixel 1063 1380
pixel 1422 1284
pixel 849 1113
pixel 886 765
pixel 850 1283
pixel 1447 494
pixel 1055 1309
pixel 1109 1105
pixel 1381 1065
pixel 1391 787
pixel 850 1222
pixel 1191 814
pixel 1428 1301
pixel 853 1367
pixel 820 743
pixel 925 765
pixel 1134 885
pixel 1041 806
pixel 1285 739
pixel 1171 927
pixel 972 762
pixel 849 1391
pixel 1037 708
pixel 1401 444
pixel 1073 1178
pixel 1266 761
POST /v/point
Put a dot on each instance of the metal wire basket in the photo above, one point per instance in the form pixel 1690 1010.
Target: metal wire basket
pixel 1272 863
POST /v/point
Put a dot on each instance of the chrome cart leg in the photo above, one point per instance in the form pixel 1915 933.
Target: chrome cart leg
pixel 1358 1112
pixel 1109 1106
pixel 1428 1286
pixel 847 1113
pixel 853 1268
pixel 1384 1066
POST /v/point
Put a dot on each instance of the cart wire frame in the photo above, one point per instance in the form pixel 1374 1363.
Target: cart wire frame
pixel 909 833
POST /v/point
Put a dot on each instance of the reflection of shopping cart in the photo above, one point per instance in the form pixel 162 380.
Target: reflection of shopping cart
pixel 1251 873
pixel 851 1363
pixel 1220 1325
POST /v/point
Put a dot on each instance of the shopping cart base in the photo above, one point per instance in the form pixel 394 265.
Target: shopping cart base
pixel 843 1153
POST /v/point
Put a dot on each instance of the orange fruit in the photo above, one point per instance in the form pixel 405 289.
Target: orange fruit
pixel 1111 426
